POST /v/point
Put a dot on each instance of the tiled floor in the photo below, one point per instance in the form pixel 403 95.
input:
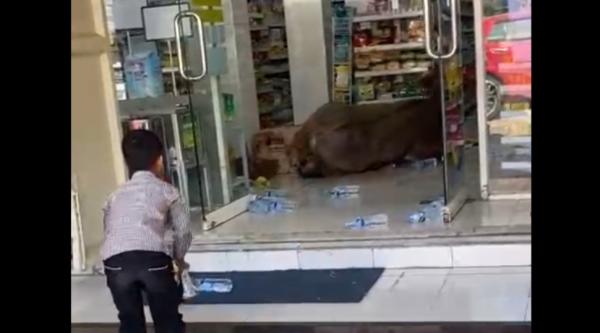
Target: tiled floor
pixel 415 295
pixel 395 192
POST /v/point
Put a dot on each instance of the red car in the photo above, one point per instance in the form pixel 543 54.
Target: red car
pixel 507 43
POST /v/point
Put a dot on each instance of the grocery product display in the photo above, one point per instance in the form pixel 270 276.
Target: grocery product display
pixel 342 52
pixel 270 56
pixel 389 55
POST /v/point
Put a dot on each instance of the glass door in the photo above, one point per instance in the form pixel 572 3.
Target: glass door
pixel 220 141
pixel 168 60
pixel 442 25
pixel 504 94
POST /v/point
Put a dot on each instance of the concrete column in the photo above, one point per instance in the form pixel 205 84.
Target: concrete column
pixel 96 160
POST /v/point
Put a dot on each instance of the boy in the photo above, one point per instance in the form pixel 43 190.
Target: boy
pixel 136 253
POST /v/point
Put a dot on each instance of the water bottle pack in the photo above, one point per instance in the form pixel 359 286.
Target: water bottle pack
pixel 370 222
pixel 344 192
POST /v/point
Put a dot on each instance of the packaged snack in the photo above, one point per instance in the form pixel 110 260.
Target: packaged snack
pixel 393 65
pixel 416 31
pixel 377 57
pixel 342 77
pixel 366 91
pixel 378 67
pixel 383 87
pixel 409 64
pixel 362 61
pixel 361 39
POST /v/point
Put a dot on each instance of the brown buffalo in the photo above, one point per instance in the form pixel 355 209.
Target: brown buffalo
pixel 341 139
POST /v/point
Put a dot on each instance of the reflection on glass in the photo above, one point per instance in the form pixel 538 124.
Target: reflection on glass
pixel 507 47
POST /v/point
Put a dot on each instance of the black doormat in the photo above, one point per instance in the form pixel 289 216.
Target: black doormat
pixel 292 286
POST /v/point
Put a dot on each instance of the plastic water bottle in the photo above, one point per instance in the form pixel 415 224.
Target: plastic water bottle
pixel 417 217
pixel 265 205
pixel 368 222
pixel 345 191
pixel 210 285
pixel 274 193
pixel 429 163
pixel 433 211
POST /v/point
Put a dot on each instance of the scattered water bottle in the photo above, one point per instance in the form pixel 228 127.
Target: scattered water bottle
pixel 210 285
pixel 433 211
pixel 275 193
pixel 429 211
pixel 377 221
pixel 345 192
pixel 266 205
pixel 417 217
pixel 429 163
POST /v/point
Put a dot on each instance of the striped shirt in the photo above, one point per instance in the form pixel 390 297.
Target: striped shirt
pixel 142 215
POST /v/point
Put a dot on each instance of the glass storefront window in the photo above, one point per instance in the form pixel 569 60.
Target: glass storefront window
pixel 506 27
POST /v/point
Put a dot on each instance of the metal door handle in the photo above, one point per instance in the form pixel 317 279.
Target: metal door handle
pixel 454 27
pixel 180 57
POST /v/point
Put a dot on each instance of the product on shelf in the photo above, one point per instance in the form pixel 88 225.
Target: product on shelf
pixel 415 31
pixel 342 77
pixel 378 6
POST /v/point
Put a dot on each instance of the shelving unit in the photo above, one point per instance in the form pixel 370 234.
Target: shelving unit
pixel 388 54
pixel 271 66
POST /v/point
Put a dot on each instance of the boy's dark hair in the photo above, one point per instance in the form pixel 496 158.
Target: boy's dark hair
pixel 141 149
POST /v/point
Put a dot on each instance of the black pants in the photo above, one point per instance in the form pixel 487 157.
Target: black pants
pixel 130 273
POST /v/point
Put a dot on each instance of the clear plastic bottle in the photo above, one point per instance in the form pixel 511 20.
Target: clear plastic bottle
pixel 345 191
pixel 433 212
pixel 368 222
pixel 429 163
pixel 211 285
pixel 265 205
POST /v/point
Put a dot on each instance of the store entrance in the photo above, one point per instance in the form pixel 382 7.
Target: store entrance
pixel 285 117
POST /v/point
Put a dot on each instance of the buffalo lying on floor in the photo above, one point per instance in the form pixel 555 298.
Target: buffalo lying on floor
pixel 341 139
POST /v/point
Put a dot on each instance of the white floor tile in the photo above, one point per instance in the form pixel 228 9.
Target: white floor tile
pixel 263 260
pixel 492 255
pixel 412 257
pixel 208 261
pixel 487 285
pixel 490 270
pixel 338 258
pixel 411 296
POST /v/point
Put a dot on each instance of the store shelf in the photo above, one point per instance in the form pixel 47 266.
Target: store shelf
pixel 264 89
pixel 259 28
pixel 391 100
pixel 387 16
pixel 515 140
pixel 274 71
pixel 390 47
pixel 361 74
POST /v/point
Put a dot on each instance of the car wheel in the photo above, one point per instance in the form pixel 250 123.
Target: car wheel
pixel 493 97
